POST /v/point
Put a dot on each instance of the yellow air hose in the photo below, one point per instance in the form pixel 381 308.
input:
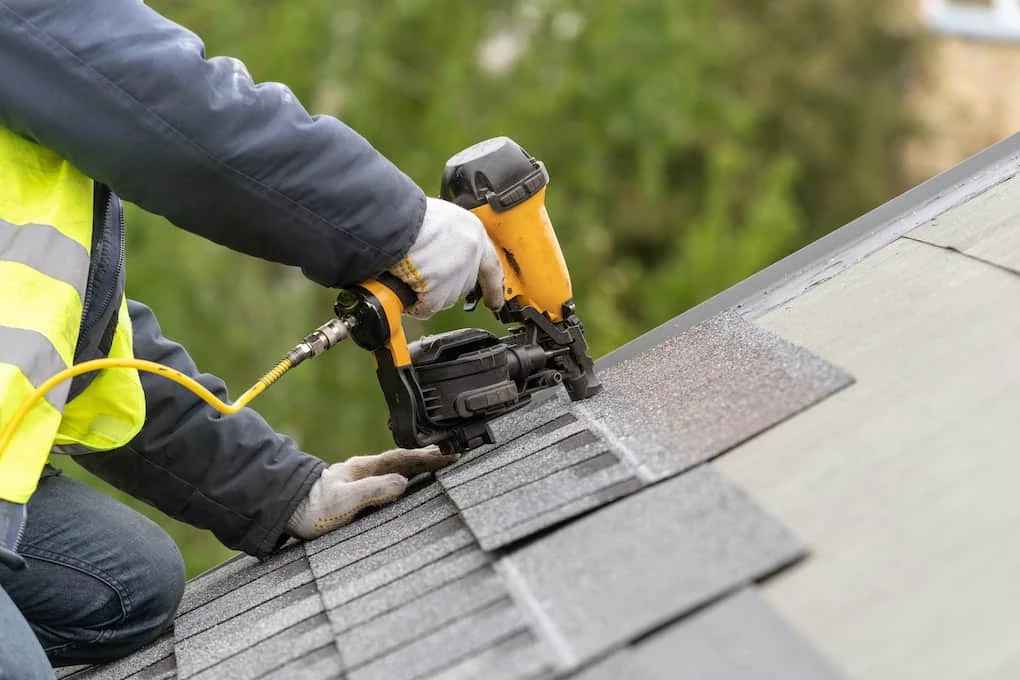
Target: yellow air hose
pixel 324 337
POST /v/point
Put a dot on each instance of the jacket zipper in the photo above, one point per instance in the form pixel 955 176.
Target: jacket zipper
pixel 20 535
pixel 116 273
pixel 86 304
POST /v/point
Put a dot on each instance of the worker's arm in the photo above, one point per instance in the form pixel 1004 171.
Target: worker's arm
pixel 232 475
pixel 129 98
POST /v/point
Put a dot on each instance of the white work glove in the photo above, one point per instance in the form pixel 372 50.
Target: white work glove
pixel 451 254
pixel 347 488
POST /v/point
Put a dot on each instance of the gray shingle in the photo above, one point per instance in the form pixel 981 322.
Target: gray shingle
pixel 679 404
pixel 376 540
pixel 493 519
pixel 233 574
pixel 738 637
pixel 508 474
pixel 251 594
pixel 622 571
pixel 295 642
pixel 419 617
pixel 559 513
pixel 165 669
pixel 127 667
pixel 548 434
pixel 210 646
pixel 706 390
pixel 354 610
pixel 321 664
pixel 395 561
pixel 517 657
pixel 446 646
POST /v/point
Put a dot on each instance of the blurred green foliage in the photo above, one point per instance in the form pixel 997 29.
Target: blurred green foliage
pixel 690 143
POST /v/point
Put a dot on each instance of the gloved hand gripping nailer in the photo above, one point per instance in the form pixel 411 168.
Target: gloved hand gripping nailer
pixel 444 389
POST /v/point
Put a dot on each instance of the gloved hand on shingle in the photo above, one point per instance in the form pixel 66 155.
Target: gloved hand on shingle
pixel 451 254
pixel 12 523
pixel 347 488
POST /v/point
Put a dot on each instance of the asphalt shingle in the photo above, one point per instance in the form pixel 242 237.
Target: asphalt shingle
pixel 516 657
pixel 383 590
pixel 737 637
pixel 694 538
pixel 233 574
pixel 349 613
pixel 319 664
pixel 419 617
pixel 447 645
pixel 395 561
pixel 513 514
pixel 273 652
pixel 435 516
pixel 241 632
pixel 706 390
pixel 267 587
pixel 156 660
pixel 681 403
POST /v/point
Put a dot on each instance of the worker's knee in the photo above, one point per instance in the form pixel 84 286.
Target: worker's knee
pixel 115 610
pixel 154 588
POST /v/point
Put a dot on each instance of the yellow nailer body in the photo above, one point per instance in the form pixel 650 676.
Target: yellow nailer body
pixel 445 389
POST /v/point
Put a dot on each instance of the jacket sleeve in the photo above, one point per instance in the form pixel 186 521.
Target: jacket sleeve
pixel 232 474
pixel 129 97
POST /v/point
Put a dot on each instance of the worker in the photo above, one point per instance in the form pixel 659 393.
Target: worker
pixel 104 96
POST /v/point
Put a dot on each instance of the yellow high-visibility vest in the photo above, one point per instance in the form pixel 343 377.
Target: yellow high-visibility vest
pixel 45 249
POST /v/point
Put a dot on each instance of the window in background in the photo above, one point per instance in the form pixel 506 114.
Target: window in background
pixel 984 19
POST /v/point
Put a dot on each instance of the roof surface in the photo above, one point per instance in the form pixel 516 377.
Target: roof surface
pixel 597 538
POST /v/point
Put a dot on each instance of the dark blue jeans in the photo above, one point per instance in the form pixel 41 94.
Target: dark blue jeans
pixel 102 581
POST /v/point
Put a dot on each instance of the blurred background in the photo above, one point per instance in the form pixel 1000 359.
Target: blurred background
pixel 690 143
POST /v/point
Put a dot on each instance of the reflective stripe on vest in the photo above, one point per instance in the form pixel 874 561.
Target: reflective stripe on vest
pixel 45 242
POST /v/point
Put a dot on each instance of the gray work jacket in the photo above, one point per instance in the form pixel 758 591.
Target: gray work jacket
pixel 129 98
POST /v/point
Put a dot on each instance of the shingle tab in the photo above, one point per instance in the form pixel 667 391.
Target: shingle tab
pixel 159 656
pixel 419 617
pixel 264 588
pixel 323 663
pixel 395 561
pixel 165 669
pixel 678 405
pixel 291 644
pixel 233 574
pixel 350 611
pixel 234 635
pixel 493 521
pixel 367 544
pixel 706 390
pixel 738 637
pixel 516 657
pixel 446 646
pixel 619 572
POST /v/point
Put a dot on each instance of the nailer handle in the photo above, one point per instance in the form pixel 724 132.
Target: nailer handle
pixel 404 292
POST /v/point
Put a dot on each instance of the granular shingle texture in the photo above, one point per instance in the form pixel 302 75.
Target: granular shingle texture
pixel 680 404
pixel 740 638
pixel 696 537
pixel 590 531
